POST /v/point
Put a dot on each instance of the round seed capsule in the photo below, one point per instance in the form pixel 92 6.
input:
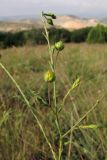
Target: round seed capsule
pixel 49 76
pixel 59 46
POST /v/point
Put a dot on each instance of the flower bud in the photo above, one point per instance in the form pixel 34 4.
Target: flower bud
pixel 49 21
pixel 59 46
pixel 53 16
pixel 49 76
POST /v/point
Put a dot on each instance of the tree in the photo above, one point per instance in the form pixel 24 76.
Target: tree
pixel 97 34
pixel 80 35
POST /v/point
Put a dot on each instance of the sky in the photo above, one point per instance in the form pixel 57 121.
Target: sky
pixel 82 8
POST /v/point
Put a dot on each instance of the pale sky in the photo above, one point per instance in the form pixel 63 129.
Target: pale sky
pixel 84 8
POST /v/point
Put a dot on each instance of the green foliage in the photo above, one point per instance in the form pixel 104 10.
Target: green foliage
pixel 12 39
pixel 80 35
pixel 59 34
pixel 97 34
pixel 35 36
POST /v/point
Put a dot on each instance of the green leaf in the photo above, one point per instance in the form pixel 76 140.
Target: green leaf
pixel 40 100
pixel 4 117
pixel 73 86
pixel 92 126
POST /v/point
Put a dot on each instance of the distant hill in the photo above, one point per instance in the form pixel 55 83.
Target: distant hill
pixel 70 22
pixel 12 26
pixel 18 23
pixel 73 22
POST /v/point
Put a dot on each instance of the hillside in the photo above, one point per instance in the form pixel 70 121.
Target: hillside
pixel 12 26
pixel 67 22
pixel 72 22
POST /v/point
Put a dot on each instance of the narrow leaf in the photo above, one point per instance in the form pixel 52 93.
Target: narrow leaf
pixel 92 126
pixel 73 86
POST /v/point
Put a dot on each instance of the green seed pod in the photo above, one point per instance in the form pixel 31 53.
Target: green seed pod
pixel 49 21
pixel 49 76
pixel 53 16
pixel 59 46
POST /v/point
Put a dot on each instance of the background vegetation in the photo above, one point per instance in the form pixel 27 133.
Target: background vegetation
pixel 96 34
pixel 20 137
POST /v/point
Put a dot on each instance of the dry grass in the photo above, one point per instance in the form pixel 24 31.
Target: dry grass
pixel 20 137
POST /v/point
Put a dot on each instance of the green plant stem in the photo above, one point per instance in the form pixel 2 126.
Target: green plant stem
pixel 54 95
pixel 30 108
pixel 79 121
pixel 48 41
pixel 57 121
pixel 56 58
pixel 49 95
pixel 53 65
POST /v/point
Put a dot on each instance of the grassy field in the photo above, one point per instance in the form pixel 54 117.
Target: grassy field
pixel 20 137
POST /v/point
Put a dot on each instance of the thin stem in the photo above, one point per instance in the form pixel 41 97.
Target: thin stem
pixel 49 100
pixel 57 120
pixel 30 108
pixel 53 66
pixel 54 95
pixel 56 58
pixel 60 140
pixel 48 41
pixel 70 145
